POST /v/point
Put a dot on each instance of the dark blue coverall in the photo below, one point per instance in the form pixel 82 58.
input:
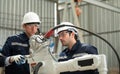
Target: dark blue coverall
pixel 14 45
pixel 78 49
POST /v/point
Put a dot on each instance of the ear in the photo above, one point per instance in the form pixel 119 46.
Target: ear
pixel 72 34
pixel 23 26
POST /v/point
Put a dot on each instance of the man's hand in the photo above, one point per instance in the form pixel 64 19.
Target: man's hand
pixel 18 59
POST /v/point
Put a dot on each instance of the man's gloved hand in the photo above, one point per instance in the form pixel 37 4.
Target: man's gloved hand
pixel 18 59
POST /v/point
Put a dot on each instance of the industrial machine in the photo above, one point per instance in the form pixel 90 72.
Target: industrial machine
pixel 42 60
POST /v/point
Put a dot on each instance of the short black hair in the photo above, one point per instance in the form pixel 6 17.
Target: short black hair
pixel 76 36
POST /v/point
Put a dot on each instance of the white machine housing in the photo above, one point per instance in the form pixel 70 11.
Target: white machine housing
pixel 50 66
pixel 86 62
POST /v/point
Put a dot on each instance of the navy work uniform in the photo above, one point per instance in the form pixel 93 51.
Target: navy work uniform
pixel 78 50
pixel 18 44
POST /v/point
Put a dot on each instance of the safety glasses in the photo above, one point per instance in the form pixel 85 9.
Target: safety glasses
pixel 62 34
pixel 32 24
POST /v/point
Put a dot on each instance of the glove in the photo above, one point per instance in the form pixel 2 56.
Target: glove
pixel 35 42
pixel 18 59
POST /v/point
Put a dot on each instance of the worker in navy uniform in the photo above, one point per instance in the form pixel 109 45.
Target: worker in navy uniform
pixel 18 45
pixel 69 37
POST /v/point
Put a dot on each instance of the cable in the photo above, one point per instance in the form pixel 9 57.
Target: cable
pixel 52 55
pixel 36 69
pixel 49 48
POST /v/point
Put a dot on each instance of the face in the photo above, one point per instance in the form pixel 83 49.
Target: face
pixel 65 38
pixel 30 29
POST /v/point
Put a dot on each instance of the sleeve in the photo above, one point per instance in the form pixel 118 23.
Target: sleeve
pixel 2 61
pixel 7 61
pixel 6 48
pixel 90 49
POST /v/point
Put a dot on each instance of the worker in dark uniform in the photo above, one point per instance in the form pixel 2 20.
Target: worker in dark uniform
pixel 69 37
pixel 19 44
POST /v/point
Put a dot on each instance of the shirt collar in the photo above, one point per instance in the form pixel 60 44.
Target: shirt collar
pixel 75 46
pixel 23 36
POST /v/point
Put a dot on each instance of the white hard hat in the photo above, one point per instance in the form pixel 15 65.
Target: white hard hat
pixel 31 17
pixel 68 28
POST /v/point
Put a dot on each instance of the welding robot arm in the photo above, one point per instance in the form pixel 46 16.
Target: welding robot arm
pixel 36 42
pixel 49 66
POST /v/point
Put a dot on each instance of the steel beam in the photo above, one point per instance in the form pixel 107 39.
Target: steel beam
pixel 103 5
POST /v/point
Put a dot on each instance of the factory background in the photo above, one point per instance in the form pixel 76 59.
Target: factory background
pixel 99 16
